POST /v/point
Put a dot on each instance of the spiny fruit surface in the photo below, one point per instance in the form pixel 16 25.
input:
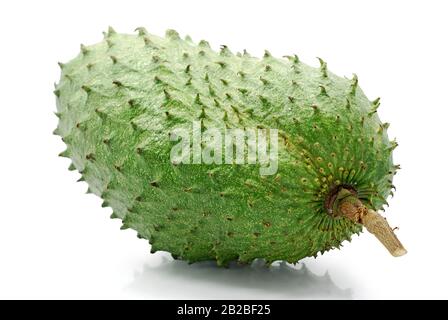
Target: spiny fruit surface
pixel 118 100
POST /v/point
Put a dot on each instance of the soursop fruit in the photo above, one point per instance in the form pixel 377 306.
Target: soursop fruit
pixel 120 100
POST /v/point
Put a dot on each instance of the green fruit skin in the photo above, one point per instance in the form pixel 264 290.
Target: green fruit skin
pixel 118 100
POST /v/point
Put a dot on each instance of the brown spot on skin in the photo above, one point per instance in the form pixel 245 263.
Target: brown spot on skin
pixel 155 184
pixel 205 214
pixel 90 156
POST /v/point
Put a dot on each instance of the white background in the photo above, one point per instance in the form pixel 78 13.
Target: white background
pixel 57 242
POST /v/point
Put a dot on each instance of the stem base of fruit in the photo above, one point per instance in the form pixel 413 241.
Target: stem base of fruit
pixel 346 204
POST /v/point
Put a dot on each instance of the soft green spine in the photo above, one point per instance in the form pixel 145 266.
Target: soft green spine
pixel 119 99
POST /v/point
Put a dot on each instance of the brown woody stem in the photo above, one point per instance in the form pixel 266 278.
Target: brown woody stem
pixel 348 205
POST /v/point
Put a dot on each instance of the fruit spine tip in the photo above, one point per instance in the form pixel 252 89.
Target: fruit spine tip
pixel 84 49
pixel 204 43
pixel 172 34
pixel 141 31
pixel 323 91
pixel 376 102
pixel 323 67
pixel 294 59
pixel 354 84
pixel 110 31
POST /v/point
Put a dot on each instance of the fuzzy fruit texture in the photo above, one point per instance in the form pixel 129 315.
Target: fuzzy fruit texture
pixel 118 100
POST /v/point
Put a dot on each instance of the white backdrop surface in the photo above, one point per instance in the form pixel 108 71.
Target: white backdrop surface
pixel 57 242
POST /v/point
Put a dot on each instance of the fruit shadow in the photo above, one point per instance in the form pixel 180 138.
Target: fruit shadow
pixel 173 279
